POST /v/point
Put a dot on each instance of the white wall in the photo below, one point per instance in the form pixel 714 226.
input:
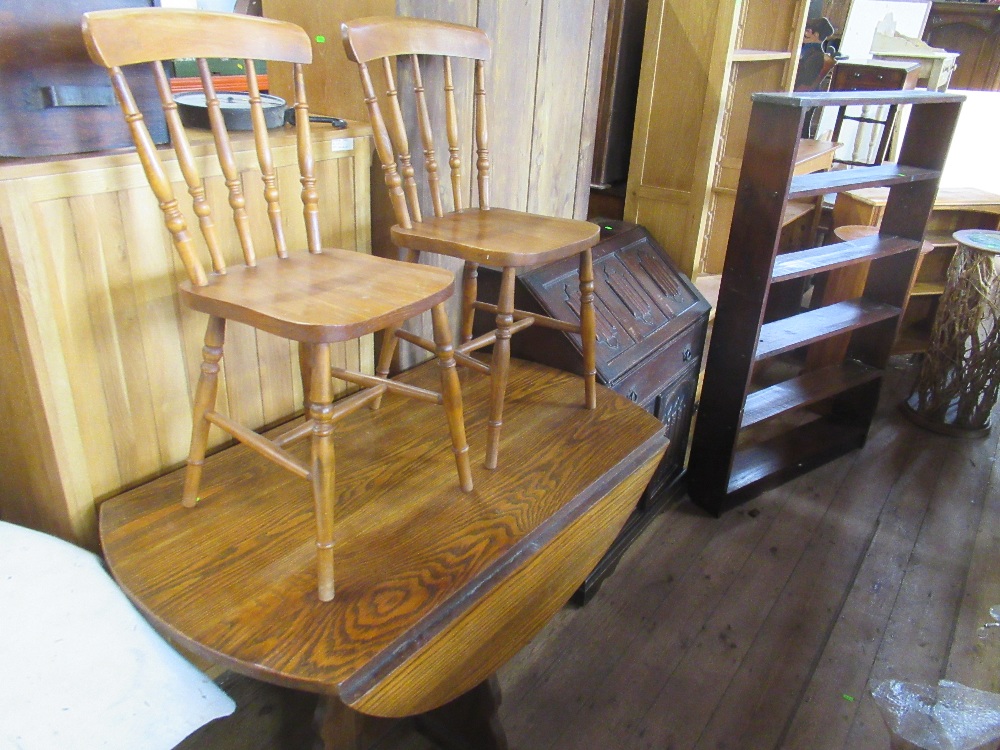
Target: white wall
pixel 906 17
pixel 975 154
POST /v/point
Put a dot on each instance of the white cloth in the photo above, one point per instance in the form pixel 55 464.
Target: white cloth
pixel 79 666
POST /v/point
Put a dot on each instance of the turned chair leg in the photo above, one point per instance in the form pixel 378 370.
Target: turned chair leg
pixel 322 471
pixel 588 329
pixel 305 374
pixel 451 394
pixel 204 402
pixel 500 365
pixel 386 353
pixel 389 340
pixel 470 288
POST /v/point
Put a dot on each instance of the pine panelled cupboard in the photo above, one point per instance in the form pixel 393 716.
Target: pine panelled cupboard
pixel 99 358
pixel 700 64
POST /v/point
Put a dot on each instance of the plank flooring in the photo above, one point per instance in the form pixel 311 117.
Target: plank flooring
pixel 765 628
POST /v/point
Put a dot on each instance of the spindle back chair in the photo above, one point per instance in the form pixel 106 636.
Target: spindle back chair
pixel 316 298
pixel 495 237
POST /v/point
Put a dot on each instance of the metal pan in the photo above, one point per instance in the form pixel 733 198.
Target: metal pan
pixel 193 109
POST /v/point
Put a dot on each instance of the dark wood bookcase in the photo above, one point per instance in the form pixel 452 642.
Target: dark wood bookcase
pixel 768 411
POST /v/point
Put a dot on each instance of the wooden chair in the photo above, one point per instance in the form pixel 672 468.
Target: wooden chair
pixel 496 237
pixel 315 298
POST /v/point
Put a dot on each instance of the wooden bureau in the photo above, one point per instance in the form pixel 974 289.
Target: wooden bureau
pixel 99 358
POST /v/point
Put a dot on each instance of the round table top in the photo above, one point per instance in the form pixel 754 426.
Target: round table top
pixel 436 588
pixel 986 240
pixel 850 232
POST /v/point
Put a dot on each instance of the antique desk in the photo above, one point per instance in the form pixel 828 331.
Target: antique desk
pixel 99 358
pixel 936 65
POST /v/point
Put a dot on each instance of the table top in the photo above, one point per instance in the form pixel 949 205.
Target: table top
pixel 980 239
pixel 947 197
pixel 435 588
pixel 814 155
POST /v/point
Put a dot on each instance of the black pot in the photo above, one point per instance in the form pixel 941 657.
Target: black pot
pixel 193 110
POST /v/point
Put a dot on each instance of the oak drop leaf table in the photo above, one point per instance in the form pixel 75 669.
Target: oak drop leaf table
pixel 436 588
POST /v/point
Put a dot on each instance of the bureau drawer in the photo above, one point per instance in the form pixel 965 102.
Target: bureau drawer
pixel 647 380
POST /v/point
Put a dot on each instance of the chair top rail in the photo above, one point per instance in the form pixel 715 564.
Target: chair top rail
pixel 367 39
pixel 127 36
pixel 117 38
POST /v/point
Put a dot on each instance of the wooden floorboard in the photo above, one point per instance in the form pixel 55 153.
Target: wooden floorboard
pixel 767 627
pixel 918 636
pixel 975 654
pixel 767 688
pixel 837 685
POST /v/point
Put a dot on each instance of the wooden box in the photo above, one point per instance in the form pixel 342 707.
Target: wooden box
pixel 53 99
pixel 651 326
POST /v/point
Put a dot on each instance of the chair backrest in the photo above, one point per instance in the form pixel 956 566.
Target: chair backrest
pixel 385 39
pixel 826 73
pixel 117 38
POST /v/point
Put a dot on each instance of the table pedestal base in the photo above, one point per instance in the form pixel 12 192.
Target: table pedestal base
pixel 469 721
pixel 960 375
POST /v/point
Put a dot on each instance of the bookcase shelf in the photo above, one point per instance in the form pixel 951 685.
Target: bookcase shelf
pixel 819 183
pixel 829 257
pixel 775 401
pixel 954 209
pixel 815 325
pixel 804 390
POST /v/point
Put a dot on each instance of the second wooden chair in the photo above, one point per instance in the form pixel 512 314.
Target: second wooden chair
pixel 495 237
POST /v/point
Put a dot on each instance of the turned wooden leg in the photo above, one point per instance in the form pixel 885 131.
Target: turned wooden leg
pixel 322 471
pixel 451 393
pixel 470 288
pixel 500 365
pixel 469 721
pixel 389 341
pixel 385 356
pixel 305 373
pixel 588 329
pixel 204 402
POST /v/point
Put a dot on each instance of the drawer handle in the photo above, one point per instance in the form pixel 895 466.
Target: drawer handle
pixel 687 355
pixel 77 96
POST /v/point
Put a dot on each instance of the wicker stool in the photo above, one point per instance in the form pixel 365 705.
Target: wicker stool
pixel 957 386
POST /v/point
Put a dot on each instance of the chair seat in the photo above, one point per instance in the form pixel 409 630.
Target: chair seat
pixel 324 298
pixel 499 237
